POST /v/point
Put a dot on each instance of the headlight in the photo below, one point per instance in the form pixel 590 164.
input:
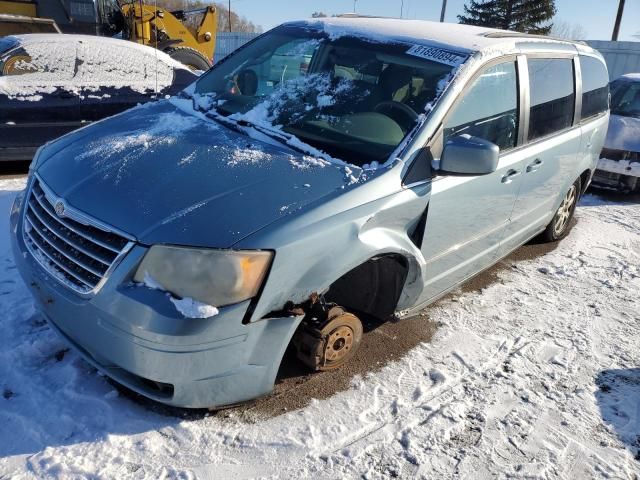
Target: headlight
pixel 214 277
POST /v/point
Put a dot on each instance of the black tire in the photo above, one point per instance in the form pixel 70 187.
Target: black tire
pixel 558 228
pixel 189 57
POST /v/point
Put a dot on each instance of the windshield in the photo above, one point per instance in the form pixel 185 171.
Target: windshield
pixel 625 98
pixel 352 98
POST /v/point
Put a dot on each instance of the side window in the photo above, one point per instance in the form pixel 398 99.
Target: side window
pixel 288 61
pixel 595 86
pixel 552 90
pixel 292 56
pixel 489 109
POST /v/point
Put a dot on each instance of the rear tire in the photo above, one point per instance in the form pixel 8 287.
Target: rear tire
pixel 558 228
pixel 193 59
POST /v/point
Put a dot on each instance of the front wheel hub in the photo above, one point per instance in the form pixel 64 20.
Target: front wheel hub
pixel 339 343
pixel 332 344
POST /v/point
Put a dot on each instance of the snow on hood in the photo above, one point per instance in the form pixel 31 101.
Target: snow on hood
pixel 81 63
pixel 623 133
pixel 166 174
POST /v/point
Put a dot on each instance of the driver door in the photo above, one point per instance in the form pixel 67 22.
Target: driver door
pixel 468 214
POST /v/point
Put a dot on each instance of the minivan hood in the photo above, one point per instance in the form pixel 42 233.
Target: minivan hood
pixel 623 133
pixel 165 174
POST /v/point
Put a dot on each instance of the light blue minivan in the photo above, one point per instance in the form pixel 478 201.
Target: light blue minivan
pixel 182 246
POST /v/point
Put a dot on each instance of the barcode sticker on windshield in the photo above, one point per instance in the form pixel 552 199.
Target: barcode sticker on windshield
pixel 437 55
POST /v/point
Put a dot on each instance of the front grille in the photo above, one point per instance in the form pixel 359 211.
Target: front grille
pixel 77 254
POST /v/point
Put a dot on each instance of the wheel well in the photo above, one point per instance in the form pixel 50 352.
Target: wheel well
pixel 584 179
pixel 374 287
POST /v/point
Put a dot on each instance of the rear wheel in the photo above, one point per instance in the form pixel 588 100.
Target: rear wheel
pixel 559 226
pixel 190 57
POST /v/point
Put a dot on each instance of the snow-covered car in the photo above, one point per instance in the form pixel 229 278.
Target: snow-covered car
pixel 183 245
pixel 619 164
pixel 51 84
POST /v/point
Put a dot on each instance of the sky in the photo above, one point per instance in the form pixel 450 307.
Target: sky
pixel 595 16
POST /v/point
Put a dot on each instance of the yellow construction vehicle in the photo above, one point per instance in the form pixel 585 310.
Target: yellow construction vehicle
pixel 189 36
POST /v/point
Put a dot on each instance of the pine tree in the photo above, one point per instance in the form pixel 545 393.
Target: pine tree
pixel 527 16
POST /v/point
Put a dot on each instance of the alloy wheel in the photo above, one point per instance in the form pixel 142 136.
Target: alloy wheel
pixel 564 212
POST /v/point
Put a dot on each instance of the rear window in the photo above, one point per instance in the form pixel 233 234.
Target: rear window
pixel 552 95
pixel 595 86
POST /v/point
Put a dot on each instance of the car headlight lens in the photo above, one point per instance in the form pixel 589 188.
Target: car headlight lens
pixel 214 277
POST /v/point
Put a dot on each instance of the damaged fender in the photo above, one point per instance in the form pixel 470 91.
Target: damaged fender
pixel 320 244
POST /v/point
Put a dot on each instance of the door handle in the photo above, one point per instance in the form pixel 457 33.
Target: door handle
pixel 510 175
pixel 532 167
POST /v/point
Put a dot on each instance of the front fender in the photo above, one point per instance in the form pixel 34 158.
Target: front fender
pixel 316 248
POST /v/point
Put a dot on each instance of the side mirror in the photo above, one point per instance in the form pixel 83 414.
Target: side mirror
pixel 467 155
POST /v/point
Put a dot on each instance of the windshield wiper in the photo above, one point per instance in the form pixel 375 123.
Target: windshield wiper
pixel 278 135
pixel 213 114
pixel 237 125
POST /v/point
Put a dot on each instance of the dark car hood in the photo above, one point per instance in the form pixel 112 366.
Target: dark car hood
pixel 170 175
pixel 623 133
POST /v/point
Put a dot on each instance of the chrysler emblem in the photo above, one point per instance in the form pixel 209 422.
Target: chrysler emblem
pixel 59 208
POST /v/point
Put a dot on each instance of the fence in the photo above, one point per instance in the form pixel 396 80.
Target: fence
pixel 621 57
pixel 227 42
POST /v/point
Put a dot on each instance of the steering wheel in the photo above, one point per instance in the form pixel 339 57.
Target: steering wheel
pixel 407 115
pixel 245 82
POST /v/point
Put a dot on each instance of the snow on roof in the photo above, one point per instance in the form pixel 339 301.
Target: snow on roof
pixel 50 38
pixel 464 37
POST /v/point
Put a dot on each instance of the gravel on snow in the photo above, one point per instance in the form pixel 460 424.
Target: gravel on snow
pixel 536 376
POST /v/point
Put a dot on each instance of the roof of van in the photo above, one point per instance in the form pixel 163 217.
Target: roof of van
pixel 463 37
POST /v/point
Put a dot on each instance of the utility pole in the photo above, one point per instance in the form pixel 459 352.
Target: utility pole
pixel 354 6
pixel 616 27
pixel 229 15
pixel 401 7
pixel 443 11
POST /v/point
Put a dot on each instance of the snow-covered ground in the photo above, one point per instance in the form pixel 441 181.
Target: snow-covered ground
pixel 536 376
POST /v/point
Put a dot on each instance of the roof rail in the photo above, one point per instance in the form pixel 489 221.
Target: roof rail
pixel 510 34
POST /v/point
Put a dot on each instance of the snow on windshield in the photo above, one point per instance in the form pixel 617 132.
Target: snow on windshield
pixel 301 97
pixel 350 98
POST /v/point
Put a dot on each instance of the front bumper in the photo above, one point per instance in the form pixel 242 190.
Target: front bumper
pixel 617 174
pixel 135 336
